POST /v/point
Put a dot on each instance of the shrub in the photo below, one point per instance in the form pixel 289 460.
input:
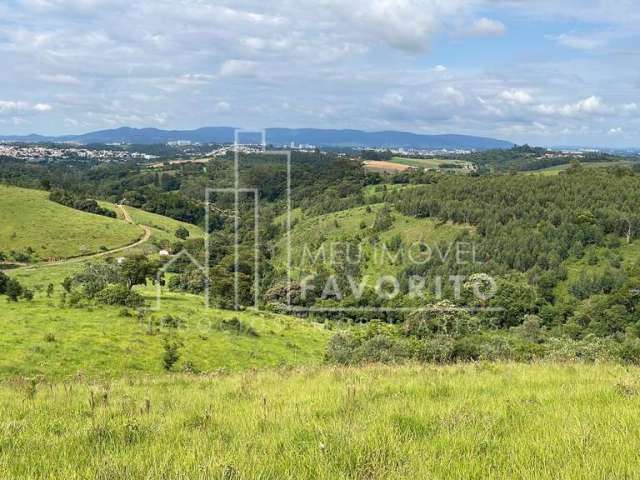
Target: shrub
pixel 441 319
pixel 169 321
pixel 190 367
pixel 237 326
pixel 119 295
pixel 182 233
pixel 171 353
pixel 466 349
pixel 383 349
pixel 630 351
pixel 13 290
pixel 341 348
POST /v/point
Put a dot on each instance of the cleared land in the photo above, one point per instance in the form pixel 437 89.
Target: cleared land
pixel 382 166
pixel 31 220
pixel 426 162
pixel 469 421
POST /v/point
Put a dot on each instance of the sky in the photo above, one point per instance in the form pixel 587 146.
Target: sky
pixel 543 72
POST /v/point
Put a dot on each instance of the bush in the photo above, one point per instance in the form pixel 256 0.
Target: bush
pixel 341 349
pixel 467 349
pixel 382 349
pixel 169 321
pixel 171 353
pixel 13 290
pixel 182 233
pixel 441 319
pixel 237 326
pixel 119 295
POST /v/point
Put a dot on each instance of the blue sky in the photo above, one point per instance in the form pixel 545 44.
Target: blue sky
pixel 538 71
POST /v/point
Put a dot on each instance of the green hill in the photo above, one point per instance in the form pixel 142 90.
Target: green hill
pixel 31 223
pixel 49 337
pixel 162 228
pixel 358 224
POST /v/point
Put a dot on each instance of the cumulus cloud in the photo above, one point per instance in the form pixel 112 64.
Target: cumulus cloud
pixel 403 24
pixel 325 63
pixel 592 105
pixel 13 107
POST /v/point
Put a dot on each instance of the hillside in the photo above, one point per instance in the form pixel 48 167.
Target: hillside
pixel 50 338
pixel 31 222
pixel 358 224
pixel 162 228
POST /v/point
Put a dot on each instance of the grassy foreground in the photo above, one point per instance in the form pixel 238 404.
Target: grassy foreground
pixel 468 421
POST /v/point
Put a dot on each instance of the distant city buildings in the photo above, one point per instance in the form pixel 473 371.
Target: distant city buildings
pixel 38 153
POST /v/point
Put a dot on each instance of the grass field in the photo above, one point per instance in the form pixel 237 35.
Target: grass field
pixel 469 421
pixel 29 219
pixel 43 337
pixel 162 228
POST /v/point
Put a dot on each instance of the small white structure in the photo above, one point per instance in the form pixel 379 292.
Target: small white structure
pixel 164 253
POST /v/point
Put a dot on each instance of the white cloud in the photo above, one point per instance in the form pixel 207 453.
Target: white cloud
pixel 615 131
pixel 357 64
pixel 42 107
pixel 222 107
pixel 454 95
pixel 12 107
pixel 578 42
pixel 515 96
pixel 191 79
pixel 486 27
pixel 592 105
pixel 392 99
pixel 402 24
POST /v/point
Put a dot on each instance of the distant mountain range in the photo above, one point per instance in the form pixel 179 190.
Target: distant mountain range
pixel 276 136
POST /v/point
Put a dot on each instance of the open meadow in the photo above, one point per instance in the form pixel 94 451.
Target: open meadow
pixel 472 421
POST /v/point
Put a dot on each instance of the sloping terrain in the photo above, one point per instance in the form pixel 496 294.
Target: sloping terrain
pixel 50 338
pixel 31 223
pixel 358 224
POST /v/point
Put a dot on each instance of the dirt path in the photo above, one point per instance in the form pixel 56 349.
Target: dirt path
pixel 127 218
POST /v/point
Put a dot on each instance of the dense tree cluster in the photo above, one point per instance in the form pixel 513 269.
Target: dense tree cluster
pixel 533 225
pixel 84 204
